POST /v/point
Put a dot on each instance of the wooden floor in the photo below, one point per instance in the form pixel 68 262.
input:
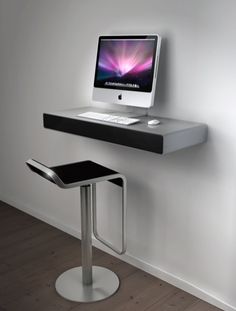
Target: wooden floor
pixel 33 254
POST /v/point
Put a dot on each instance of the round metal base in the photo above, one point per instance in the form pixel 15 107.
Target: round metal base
pixel 69 285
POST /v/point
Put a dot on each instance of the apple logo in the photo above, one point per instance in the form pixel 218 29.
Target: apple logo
pixel 120 96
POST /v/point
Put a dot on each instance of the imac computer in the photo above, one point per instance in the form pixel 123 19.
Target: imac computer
pixel 126 70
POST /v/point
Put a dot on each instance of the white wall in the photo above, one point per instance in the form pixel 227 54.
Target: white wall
pixel 181 207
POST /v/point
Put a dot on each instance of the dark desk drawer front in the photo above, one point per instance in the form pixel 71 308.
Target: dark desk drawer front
pixel 116 135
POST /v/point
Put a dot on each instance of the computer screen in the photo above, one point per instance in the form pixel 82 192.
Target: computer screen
pixel 126 68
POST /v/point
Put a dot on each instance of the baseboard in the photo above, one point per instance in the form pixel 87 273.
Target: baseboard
pixel 155 271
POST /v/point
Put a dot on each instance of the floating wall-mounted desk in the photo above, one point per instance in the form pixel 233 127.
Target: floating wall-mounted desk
pixel 170 135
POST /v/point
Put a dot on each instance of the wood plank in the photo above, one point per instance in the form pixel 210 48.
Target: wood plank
pixel 202 306
pixel 148 296
pixel 178 301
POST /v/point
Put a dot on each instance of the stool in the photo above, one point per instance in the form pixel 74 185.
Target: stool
pixel 86 283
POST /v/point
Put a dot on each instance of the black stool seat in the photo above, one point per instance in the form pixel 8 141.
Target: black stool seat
pixel 81 171
pixel 75 174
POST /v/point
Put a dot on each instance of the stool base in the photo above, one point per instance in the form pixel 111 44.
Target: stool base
pixel 69 285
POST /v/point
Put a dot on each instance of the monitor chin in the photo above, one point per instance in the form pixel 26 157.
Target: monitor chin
pixel 121 97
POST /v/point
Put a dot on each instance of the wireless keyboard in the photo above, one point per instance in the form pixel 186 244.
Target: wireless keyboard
pixel 108 118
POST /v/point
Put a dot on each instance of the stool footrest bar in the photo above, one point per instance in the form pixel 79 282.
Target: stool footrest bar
pixel 123 220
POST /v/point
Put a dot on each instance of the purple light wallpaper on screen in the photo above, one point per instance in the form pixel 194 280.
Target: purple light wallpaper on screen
pixel 126 63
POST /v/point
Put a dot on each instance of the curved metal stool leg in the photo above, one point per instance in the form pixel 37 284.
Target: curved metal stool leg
pixel 87 283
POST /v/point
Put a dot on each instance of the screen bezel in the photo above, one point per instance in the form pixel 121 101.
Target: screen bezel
pixel 127 37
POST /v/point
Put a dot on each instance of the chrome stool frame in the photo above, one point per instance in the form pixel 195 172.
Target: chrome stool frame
pixel 86 283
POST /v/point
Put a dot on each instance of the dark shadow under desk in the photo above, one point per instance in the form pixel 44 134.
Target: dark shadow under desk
pixel 170 135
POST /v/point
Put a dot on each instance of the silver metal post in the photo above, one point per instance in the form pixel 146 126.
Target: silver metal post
pixel 86 238
pixel 87 283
